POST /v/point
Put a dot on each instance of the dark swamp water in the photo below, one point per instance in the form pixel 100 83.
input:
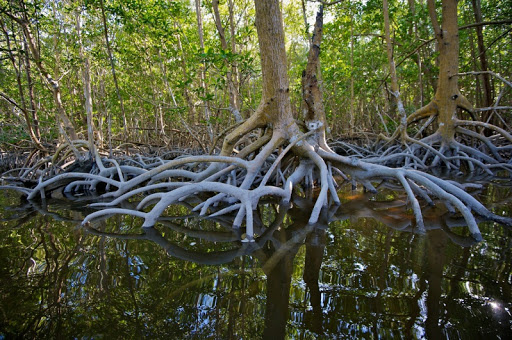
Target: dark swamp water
pixel 365 275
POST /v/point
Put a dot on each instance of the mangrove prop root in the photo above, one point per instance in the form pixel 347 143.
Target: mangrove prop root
pixel 239 189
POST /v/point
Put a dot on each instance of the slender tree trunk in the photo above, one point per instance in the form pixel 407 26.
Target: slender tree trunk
pixel 481 53
pixel 311 91
pixel 86 78
pixel 395 91
pixel 305 18
pixel 191 108
pixel 30 85
pixel 17 71
pixel 156 97
pixel 166 80
pixel 55 39
pixel 234 106
pixel 108 113
pixel 86 75
pixel 478 99
pixel 112 65
pixel 103 113
pixel 412 7
pixel 352 99
pixel 203 72
pixel 234 65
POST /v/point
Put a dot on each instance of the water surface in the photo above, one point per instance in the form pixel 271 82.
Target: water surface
pixel 368 274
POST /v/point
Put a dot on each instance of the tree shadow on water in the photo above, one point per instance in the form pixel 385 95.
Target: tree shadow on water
pixel 284 244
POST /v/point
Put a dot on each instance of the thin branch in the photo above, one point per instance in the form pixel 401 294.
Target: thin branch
pixel 491 108
pixel 475 73
pixel 328 3
pixel 486 23
pixel 433 17
pixel 11 101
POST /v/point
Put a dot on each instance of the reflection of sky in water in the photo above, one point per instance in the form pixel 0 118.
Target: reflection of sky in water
pixel 368 280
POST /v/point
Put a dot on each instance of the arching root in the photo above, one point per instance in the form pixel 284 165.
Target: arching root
pixel 238 184
pixel 467 150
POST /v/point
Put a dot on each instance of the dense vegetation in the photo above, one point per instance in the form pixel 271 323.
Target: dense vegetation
pixel 172 76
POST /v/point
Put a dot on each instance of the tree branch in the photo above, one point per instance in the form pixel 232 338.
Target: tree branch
pixel 328 3
pixel 486 23
pixel 433 17
pixel 475 73
pixel 11 101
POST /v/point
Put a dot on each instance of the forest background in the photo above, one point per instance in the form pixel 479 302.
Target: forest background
pixel 177 73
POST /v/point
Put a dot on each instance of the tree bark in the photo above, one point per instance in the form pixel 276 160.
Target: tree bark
pixel 31 96
pixel 484 65
pixel 234 106
pixel 274 66
pixel 274 109
pixel 86 78
pixel 395 91
pixel 184 70
pixel 112 65
pixel 312 95
pixel 203 72
pixel 352 97
pixel 448 96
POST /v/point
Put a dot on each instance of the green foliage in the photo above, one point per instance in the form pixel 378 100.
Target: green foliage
pixel 158 58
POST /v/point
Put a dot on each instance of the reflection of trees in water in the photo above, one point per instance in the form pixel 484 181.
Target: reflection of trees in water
pixel 76 277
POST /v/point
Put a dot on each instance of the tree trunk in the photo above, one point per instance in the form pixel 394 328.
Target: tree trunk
pixel 234 68
pixel 31 96
pixel 412 7
pixel 203 73
pixel 166 80
pixel 478 98
pixel 17 70
pixel 86 77
pixel 274 66
pixel 313 101
pixel 481 53
pixel 447 97
pixel 395 91
pixel 234 106
pixel 352 98
pixel 112 65
pixel 275 107
pixel 65 124
pixel 184 70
